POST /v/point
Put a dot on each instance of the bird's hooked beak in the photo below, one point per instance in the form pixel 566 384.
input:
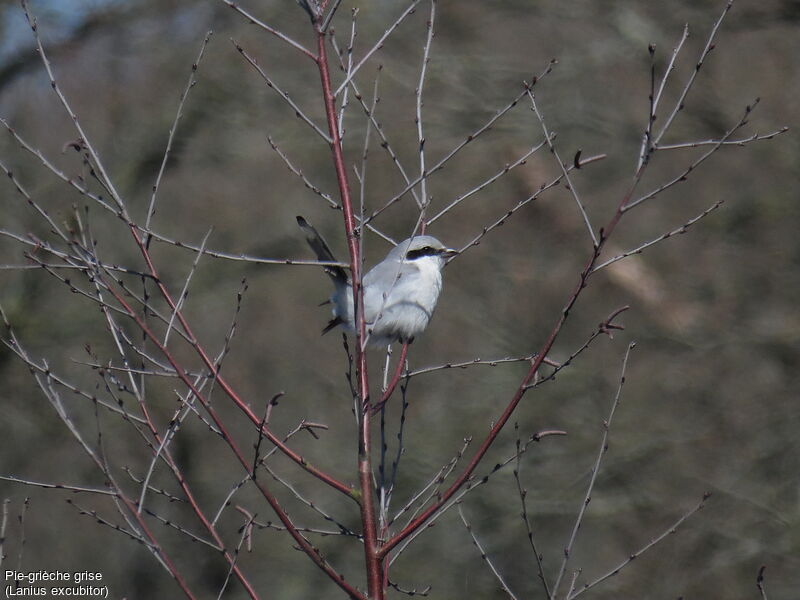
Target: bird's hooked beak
pixel 448 253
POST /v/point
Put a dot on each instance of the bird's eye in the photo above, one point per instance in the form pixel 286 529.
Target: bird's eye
pixel 420 252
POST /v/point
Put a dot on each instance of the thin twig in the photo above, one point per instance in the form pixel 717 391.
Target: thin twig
pixel 103 521
pixel 672 529
pixel 680 230
pixel 284 96
pixel 245 529
pixel 324 195
pixel 182 530
pixel 14 345
pixel 346 95
pixel 160 491
pixel 241 257
pixel 103 177
pixel 58 486
pixel 502 219
pixel 185 291
pixel 42 212
pixel 685 174
pixel 564 171
pixel 381 133
pixel 413 592
pixel 470 138
pixel 606 327
pixel 523 494
pixel 485 556
pixel 759 582
pixel 400 444
pixel 647 137
pixel 472 484
pixel 377 46
pixel 740 142
pixel 423 200
pixel 595 470
pixel 435 483
pixel 492 362
pixel 706 51
pixel 309 503
pixel 280 35
pixel 189 85
pixel 506 169
pixel 82 189
pixel 670 67
pixel 3 525
pixel 329 16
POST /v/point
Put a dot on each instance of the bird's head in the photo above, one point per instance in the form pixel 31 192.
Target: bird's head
pixel 422 248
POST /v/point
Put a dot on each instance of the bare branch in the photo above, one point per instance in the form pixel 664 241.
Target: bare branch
pixel 192 536
pixel 606 327
pixel 740 142
pixel 241 257
pixel 760 582
pixel 490 362
pixel 471 485
pixel 42 212
pixel 14 345
pixel 415 592
pixel 189 85
pixel 381 133
pixel 523 494
pixel 680 230
pixel 470 138
pixel 502 219
pixel 103 521
pixel 184 292
pixel 80 187
pixel 346 96
pixel 324 195
pixel 670 67
pixel 103 176
pixel 280 35
pixel 595 470
pixel 58 486
pixel 423 200
pixel 706 51
pixel 564 171
pixel 284 96
pixel 683 176
pixel 506 169
pixel 329 16
pixel 378 45
pixel 3 525
pixel 485 557
pixel 672 529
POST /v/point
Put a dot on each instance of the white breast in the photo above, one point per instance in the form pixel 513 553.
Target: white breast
pixel 399 299
pixel 405 310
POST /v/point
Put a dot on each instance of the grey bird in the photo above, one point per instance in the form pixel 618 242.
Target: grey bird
pixel 400 292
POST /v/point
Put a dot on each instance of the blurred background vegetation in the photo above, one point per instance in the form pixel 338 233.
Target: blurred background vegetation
pixel 711 401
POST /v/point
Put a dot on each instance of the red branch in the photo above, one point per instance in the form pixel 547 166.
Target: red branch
pixel 304 544
pixel 187 491
pixel 167 561
pixel 229 391
pixel 465 476
pixel 375 588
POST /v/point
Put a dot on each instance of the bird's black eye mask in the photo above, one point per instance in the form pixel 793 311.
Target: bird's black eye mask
pixel 420 252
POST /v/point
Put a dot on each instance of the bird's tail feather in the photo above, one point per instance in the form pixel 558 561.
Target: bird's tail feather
pixel 332 323
pixel 323 251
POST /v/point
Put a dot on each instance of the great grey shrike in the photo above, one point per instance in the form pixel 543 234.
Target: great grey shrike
pixel 400 292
